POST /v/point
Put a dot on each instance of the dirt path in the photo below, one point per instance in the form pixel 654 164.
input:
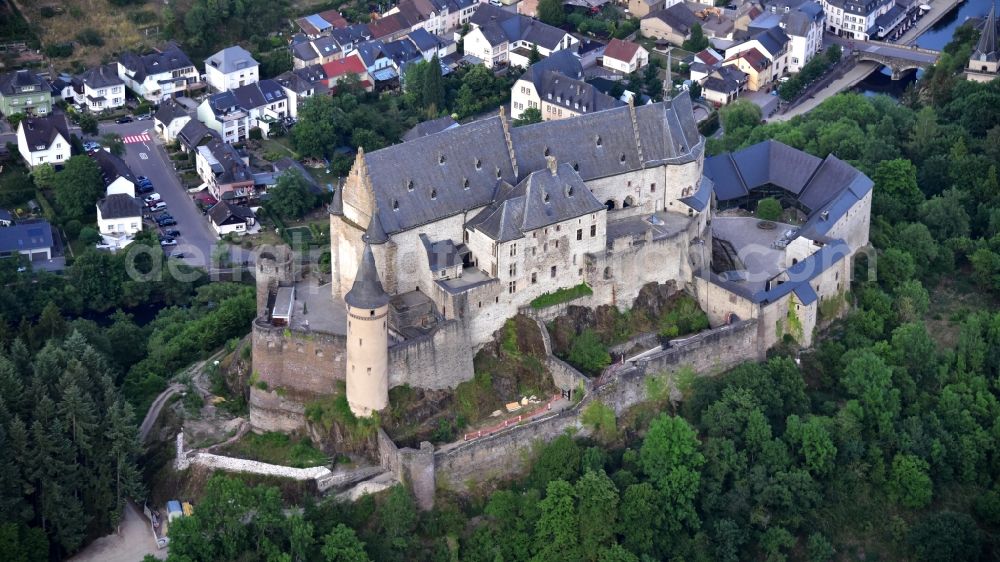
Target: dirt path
pixel 154 409
pixel 133 543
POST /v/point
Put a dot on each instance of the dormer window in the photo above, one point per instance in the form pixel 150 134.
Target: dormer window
pixel 569 191
pixel 441 159
pixel 434 194
pixel 576 166
pixel 545 197
pixel 465 183
pixel 395 205
pixel 479 164
pixel 622 159
pixel 498 172
pixel 599 140
pixel 546 151
pixel 409 185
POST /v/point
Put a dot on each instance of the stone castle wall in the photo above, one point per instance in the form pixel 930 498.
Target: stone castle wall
pixel 442 359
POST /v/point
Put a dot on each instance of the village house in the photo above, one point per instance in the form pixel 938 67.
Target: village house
pixel 348 67
pixel 225 172
pixel 671 24
pixel 99 88
pixel 625 56
pixel 723 85
pixel 499 37
pixel 301 84
pixel 231 68
pixel 119 216
pixel 229 218
pixel 755 65
pixel 24 92
pixel 232 114
pixel 556 88
pixel 803 24
pixel 44 140
pixel 159 75
pixel 32 239
pixel 115 173
pixel 316 25
pixel 169 119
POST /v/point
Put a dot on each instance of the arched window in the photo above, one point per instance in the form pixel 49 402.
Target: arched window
pixel 610 204
pixel 629 202
pixel 607 273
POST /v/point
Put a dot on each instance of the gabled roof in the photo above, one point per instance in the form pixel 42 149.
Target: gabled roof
pixel 575 95
pixel 321 22
pixel 799 20
pixel 169 111
pixel 986 48
pixel 388 25
pixel 228 165
pixel 21 237
pixel 11 83
pixel 499 26
pixel 425 128
pixel 709 57
pixel 351 64
pixel 621 50
pixel 231 59
pixel 423 39
pixel 119 206
pixel 367 291
pixel 194 133
pixel 102 76
pixel 562 62
pixel 303 79
pixel 112 167
pixel 352 34
pixel 676 17
pixel 773 39
pixel 753 57
pixel 41 132
pixel 170 58
pixel 223 213
pixel 459 169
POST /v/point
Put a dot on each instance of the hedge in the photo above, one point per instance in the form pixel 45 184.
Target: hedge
pixel 561 296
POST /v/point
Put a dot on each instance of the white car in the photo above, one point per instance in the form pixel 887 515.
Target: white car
pixel 151 198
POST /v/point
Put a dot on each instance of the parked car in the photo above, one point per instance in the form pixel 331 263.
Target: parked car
pixel 158 206
pixel 173 232
pixel 123 119
pixel 144 117
pixel 168 242
pixel 91 146
pixel 164 216
pixel 166 222
pixel 152 198
pixel 145 189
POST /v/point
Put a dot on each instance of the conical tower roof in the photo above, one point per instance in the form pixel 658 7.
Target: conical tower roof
pixel 367 291
pixel 375 233
pixel 986 49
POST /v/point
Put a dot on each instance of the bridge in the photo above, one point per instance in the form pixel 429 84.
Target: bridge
pixel 897 58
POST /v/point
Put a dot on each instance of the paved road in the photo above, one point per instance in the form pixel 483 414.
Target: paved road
pixel 130 545
pixel 900 51
pixel 148 158
pixel 849 79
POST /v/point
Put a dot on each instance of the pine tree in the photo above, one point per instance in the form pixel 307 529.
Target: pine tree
pixel 124 449
pixel 432 93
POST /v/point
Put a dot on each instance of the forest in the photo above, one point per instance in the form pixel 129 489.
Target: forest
pixel 880 443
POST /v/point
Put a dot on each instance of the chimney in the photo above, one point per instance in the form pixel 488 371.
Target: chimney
pixel 550 162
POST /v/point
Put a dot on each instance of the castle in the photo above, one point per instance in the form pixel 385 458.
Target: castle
pixel 437 241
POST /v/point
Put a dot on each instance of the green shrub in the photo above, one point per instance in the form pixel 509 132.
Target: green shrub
pixel 588 353
pixel 89 236
pixel 768 209
pixel 72 229
pixel 562 295
pixel 59 51
pixel 685 317
pixel 91 37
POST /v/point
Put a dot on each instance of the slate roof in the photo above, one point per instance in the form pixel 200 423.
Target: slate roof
pixel 367 291
pixel 193 133
pixel 574 95
pixel 230 167
pixel 170 110
pixel 676 17
pixel 26 236
pixel 443 253
pixel 303 79
pixel 223 213
pixel 170 58
pixel 112 167
pixel 563 62
pixel 352 34
pixel 42 131
pixel 231 59
pixel 699 201
pixel 800 274
pixel 986 47
pixel 119 206
pixel 827 187
pixel 102 77
pixel 423 39
pixel 499 26
pixel 798 21
pixel 460 169
pixel 425 128
pixel 12 82
pixel 545 197
pixel 773 39
pixel 259 94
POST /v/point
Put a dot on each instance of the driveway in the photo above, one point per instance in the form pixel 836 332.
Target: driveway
pixel 146 157
pixel 133 543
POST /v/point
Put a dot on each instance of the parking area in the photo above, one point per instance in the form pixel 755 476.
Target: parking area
pixel 146 157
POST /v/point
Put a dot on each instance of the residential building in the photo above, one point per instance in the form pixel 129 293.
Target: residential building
pixel 99 88
pixel 755 65
pixel 225 172
pixel 169 119
pixel 723 85
pixel 556 88
pixel 351 66
pixel 671 24
pixel 499 37
pixel 24 92
pixel 984 63
pixel 301 84
pixel 625 56
pixel 642 8
pixel 159 75
pixel 33 240
pixel 321 23
pixel 194 134
pixel 438 17
pixel 115 173
pixel 232 114
pixel 231 68
pixel 773 44
pixel 317 51
pixel 389 27
pixel 229 218
pixel 855 18
pixel 44 140
pixel 119 214
pixel 802 23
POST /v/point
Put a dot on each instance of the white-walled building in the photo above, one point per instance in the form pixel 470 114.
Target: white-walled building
pixel 500 37
pixel 556 88
pixel 99 89
pixel 43 140
pixel 169 119
pixel 625 56
pixel 231 68
pixel 233 113
pixel 159 75
pixel 855 18
pixel 119 214
pixel 227 218
pixel 301 84
pixel 803 24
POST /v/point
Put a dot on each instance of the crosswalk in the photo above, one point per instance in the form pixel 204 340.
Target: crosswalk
pixel 132 139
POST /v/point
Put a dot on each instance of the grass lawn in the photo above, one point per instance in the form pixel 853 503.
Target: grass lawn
pixel 278 145
pixel 278 448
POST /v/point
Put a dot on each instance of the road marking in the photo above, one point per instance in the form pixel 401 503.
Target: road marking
pixel 143 156
pixel 133 139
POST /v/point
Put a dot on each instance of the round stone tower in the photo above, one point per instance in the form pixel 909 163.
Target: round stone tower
pixel 273 267
pixel 367 340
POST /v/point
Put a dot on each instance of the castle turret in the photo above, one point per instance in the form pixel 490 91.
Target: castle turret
pixel 273 269
pixel 367 340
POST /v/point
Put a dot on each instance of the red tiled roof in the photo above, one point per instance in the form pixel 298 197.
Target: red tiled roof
pixel 754 58
pixel 335 19
pixel 386 26
pixel 348 65
pixel 707 57
pixel 621 50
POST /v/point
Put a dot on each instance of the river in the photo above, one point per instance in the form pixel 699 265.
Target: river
pixel 934 38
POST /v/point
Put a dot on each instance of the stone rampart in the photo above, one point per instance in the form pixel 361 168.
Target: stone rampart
pixel 442 359
pixel 709 351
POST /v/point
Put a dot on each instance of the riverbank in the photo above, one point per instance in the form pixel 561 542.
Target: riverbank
pixel 850 78
pixel 939 9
